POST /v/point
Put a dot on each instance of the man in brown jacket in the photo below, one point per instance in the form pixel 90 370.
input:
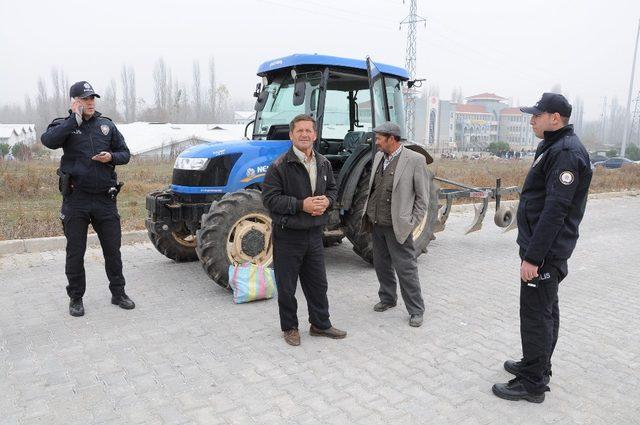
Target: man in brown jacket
pixel 396 205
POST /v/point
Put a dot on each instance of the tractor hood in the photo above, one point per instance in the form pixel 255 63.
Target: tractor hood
pixel 231 165
pixel 213 149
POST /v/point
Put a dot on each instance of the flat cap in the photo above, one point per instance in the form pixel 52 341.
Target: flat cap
pixel 388 127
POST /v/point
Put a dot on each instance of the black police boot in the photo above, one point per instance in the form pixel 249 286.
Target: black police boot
pixel 515 390
pixel 76 309
pixel 514 367
pixel 123 301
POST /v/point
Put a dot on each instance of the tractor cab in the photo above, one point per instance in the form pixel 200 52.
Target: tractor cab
pixel 346 97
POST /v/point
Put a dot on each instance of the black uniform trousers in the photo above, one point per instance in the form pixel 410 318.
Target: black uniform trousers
pixel 79 209
pixel 300 253
pixel 540 322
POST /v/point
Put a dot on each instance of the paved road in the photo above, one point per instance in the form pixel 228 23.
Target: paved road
pixel 187 354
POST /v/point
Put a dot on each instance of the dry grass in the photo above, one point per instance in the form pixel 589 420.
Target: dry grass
pixel 513 172
pixel 30 202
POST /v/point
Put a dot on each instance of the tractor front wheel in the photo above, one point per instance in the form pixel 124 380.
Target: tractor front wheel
pixel 236 230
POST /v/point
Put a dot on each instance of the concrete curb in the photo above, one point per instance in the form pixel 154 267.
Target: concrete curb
pixel 21 246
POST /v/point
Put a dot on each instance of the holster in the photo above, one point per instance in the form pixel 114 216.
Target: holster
pixel 112 193
pixel 64 183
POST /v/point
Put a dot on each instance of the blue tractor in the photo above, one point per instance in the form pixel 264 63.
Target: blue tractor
pixel 213 210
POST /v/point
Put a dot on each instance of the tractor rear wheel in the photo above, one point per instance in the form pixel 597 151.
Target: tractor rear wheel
pixel 361 240
pixel 236 230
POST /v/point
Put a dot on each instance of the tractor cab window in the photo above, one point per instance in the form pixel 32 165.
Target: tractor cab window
pixel 346 120
pixel 279 107
pixel 395 102
pixel 338 119
pixel 379 101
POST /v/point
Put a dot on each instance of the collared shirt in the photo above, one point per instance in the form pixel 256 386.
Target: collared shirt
pixel 310 165
pixel 389 158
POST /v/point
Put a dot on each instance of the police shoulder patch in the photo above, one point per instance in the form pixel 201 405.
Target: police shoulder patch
pixel 104 129
pixel 566 178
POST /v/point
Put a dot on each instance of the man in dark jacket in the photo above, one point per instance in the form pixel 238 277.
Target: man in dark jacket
pixel 299 189
pixel 551 208
pixel 92 146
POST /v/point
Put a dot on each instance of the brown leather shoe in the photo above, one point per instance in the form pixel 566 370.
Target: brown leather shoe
pixel 292 337
pixel 329 333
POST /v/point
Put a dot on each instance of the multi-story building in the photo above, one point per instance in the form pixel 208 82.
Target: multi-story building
pixel 473 125
pixel 515 129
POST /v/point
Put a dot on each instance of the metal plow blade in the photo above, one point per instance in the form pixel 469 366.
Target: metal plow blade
pixel 506 217
pixel 480 212
pixel 443 215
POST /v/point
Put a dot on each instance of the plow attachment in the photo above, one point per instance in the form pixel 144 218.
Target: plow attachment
pixel 505 215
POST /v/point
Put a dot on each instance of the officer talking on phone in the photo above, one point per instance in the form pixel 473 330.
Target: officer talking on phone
pixel 92 147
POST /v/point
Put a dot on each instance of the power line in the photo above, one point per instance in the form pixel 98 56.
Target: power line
pixel 493 50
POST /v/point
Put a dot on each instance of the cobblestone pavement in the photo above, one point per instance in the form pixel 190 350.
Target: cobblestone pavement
pixel 187 354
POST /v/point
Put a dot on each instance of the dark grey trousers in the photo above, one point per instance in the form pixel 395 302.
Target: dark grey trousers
pixel 391 258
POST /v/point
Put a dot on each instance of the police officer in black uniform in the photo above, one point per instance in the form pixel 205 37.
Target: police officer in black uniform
pixel 92 146
pixel 551 207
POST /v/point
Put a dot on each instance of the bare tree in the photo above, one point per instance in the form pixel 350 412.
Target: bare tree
pixel 129 101
pixel 60 85
pixel 171 91
pixel 224 112
pixel 43 109
pixel 615 122
pixel 180 104
pixel 132 94
pixel 29 111
pixel 197 93
pixel 577 115
pixel 109 104
pixel 162 89
pixel 212 91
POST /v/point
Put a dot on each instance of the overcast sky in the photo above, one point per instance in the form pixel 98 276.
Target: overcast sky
pixel 516 49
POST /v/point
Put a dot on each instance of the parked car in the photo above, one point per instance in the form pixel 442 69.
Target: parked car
pixel 595 158
pixel 615 162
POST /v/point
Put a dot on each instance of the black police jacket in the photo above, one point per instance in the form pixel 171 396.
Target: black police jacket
pixel 554 197
pixel 286 185
pixel 81 143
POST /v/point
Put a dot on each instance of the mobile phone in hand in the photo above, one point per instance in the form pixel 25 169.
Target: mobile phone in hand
pixel 79 111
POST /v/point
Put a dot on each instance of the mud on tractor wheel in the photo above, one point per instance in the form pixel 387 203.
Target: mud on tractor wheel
pixel 236 230
pixel 362 241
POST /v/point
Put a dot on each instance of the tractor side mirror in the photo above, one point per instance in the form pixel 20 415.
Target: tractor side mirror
pixel 257 92
pixel 300 87
pixel 262 99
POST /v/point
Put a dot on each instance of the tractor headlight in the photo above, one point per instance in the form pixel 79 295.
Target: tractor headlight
pixel 191 163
